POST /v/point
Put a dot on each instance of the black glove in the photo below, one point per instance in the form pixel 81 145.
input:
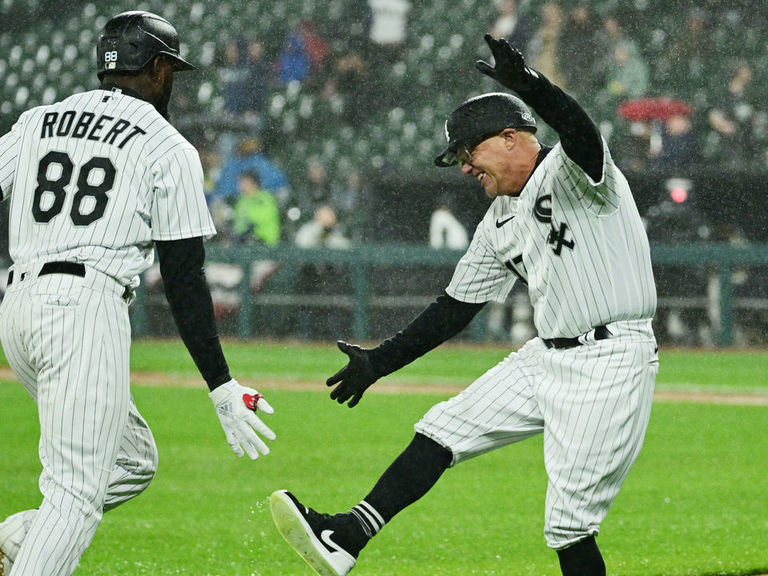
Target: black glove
pixel 355 377
pixel 510 70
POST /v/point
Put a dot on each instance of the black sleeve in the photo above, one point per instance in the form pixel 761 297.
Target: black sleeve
pixel 181 266
pixel 440 321
pixel 579 136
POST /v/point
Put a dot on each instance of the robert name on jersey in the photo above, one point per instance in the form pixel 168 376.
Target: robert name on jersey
pixel 87 125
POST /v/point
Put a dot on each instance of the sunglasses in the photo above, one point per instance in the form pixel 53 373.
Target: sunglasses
pixel 464 153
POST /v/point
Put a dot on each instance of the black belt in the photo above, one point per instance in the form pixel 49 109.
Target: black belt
pixel 601 333
pixel 69 268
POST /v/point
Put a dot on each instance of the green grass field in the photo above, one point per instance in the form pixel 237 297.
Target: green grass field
pixel 696 502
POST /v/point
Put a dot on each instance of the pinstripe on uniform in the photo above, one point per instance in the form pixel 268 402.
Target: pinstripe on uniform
pixel 580 248
pixel 115 177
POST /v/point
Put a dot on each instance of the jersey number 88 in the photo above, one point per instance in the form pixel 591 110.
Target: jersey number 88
pixel 84 189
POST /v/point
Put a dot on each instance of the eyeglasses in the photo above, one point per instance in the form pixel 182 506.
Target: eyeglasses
pixel 464 153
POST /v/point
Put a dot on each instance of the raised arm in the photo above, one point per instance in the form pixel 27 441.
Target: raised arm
pixel 579 136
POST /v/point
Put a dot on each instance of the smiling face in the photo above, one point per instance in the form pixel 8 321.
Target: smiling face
pixel 501 163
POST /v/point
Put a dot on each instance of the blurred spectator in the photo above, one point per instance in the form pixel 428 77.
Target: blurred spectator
pixel 322 230
pixel 544 50
pixel 323 282
pixel 678 152
pixel 627 78
pixel 259 82
pixel 315 189
pixel 347 91
pixel 578 47
pixel 211 161
pixel 255 216
pixel 611 32
pixel 738 129
pixel 221 212
pixel 351 207
pixel 609 35
pixel 316 47
pixel 233 76
pixel 233 79
pixel 689 55
pixel 247 81
pixel 294 63
pixel 675 221
pixel 511 24
pixel 445 230
pixel 249 156
pixel 256 220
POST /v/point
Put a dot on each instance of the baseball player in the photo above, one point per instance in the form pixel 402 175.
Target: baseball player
pixel 564 223
pixel 96 182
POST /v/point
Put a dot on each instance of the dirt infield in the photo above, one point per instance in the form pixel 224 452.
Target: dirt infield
pixel 397 387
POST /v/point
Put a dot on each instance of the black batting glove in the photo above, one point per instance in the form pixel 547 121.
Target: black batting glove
pixel 355 377
pixel 510 70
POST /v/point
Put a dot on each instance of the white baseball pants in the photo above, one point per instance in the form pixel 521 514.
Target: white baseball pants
pixel 67 339
pixel 592 403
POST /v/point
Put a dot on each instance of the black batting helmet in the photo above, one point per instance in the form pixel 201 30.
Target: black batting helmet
pixel 481 117
pixel 131 39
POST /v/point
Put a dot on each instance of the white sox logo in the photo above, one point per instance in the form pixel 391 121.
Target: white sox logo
pixel 516 266
pixel 543 213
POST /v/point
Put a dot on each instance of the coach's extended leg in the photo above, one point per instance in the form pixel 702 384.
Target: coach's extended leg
pixel 582 559
pixel 330 544
pixel 407 479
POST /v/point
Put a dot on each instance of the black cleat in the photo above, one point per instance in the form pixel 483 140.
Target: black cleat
pixel 329 544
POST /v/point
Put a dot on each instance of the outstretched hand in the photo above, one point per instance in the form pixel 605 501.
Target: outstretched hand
pixel 236 407
pixel 355 377
pixel 509 68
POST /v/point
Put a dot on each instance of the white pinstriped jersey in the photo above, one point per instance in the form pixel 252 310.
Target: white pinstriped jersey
pixel 96 178
pixel 579 246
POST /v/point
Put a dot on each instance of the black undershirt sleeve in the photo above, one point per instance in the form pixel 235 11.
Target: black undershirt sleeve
pixel 181 266
pixel 440 321
pixel 579 136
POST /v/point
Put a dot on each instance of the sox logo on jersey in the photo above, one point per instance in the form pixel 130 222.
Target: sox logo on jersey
pixel 580 249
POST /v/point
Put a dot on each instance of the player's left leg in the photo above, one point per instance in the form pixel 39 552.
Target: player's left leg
pixel 15 527
pixel 596 402
pixel 81 339
pixel 133 471
pixel 136 462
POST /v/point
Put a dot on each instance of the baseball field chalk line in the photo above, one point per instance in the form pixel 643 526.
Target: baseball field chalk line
pixel 662 394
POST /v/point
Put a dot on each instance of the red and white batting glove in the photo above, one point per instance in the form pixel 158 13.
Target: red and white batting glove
pixel 236 407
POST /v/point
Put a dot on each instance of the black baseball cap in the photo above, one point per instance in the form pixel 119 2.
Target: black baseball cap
pixel 481 117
